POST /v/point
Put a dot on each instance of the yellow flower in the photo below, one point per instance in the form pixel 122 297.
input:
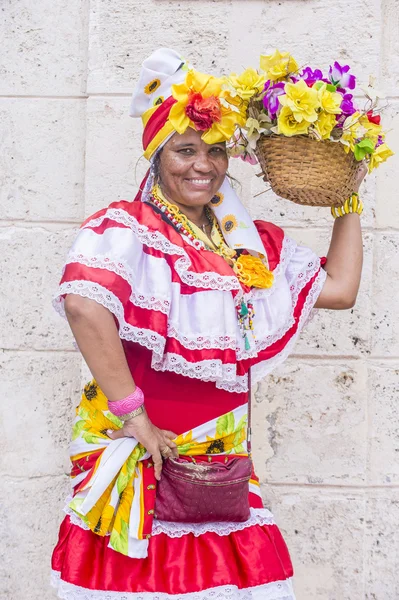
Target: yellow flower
pixel 325 124
pixel 301 100
pixel 358 127
pixel 211 108
pixel 252 272
pixel 380 155
pixel 330 102
pixel 151 87
pixel 372 130
pixel 122 514
pixel 278 65
pixel 249 83
pixel 287 124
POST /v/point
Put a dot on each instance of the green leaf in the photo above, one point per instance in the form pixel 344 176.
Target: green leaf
pixel 77 429
pixel 225 424
pixel 91 438
pixel 184 448
pixel 241 423
pixel 331 88
pixel 318 85
pixel 363 148
pixel 119 541
pixel 113 418
pixel 122 481
pixel 83 413
pixel 239 449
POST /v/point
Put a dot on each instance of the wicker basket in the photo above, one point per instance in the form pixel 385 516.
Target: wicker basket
pixel 307 171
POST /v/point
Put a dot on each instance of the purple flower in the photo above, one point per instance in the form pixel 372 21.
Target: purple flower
pixel 347 105
pixel 311 76
pixel 270 100
pixel 338 75
pixel 379 141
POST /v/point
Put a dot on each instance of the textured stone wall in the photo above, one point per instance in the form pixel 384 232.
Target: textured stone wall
pixel 327 443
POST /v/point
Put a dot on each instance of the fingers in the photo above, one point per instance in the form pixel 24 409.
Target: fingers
pixel 157 460
pixel 169 434
pixel 116 434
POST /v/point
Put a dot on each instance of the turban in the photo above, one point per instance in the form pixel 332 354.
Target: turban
pixel 170 97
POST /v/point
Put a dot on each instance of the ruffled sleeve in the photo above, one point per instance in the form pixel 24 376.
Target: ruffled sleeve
pixel 180 301
pixel 283 310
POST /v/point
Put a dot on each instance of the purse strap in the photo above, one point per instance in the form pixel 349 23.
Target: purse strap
pixel 249 424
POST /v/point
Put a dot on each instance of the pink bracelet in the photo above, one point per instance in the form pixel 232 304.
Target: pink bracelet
pixel 121 408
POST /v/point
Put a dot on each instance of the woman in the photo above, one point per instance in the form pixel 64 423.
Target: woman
pixel 173 299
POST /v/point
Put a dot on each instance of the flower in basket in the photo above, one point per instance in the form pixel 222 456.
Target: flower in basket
pixel 246 85
pixel 203 104
pixel 341 77
pixel 305 102
pixel 278 66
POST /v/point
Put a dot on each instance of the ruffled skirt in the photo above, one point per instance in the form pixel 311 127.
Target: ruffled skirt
pixel 213 561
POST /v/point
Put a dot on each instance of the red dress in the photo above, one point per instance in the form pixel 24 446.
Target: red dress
pixel 175 307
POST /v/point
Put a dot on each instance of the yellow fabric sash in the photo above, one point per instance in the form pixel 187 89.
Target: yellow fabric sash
pixel 110 496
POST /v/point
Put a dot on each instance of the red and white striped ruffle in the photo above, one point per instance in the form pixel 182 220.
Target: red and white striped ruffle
pixel 180 302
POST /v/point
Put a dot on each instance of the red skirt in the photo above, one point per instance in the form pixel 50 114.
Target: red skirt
pixel 217 561
pixel 249 563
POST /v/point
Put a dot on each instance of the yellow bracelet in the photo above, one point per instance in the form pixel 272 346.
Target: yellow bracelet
pixel 353 204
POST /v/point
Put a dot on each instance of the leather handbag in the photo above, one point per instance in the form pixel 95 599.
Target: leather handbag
pixel 200 491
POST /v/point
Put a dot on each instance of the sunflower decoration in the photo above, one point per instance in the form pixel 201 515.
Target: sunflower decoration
pixel 203 104
pixel 229 223
pixel 158 100
pixel 152 87
pixel 217 199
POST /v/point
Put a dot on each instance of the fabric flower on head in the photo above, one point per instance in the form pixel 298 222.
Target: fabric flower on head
pixel 278 65
pixel 339 76
pixel 246 85
pixel 201 103
pixel 288 125
pixel 302 101
pixel 270 99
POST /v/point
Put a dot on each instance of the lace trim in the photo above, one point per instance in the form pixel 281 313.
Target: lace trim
pixel 275 590
pixel 146 337
pixel 155 239
pixel 301 280
pixel 223 374
pixel 201 342
pixel 206 370
pixel 261 369
pixel 123 270
pixel 287 251
pixel 259 516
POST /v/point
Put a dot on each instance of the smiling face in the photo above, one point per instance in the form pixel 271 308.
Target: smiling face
pixel 191 171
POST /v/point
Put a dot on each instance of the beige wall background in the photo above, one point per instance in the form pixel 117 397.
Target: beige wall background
pixel 327 436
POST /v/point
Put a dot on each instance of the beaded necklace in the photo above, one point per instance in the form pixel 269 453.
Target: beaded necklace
pixel 243 265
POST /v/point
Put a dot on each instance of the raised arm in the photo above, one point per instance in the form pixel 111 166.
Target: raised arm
pixel 344 262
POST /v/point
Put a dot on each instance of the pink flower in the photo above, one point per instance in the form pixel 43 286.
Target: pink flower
pixel 270 100
pixel 339 76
